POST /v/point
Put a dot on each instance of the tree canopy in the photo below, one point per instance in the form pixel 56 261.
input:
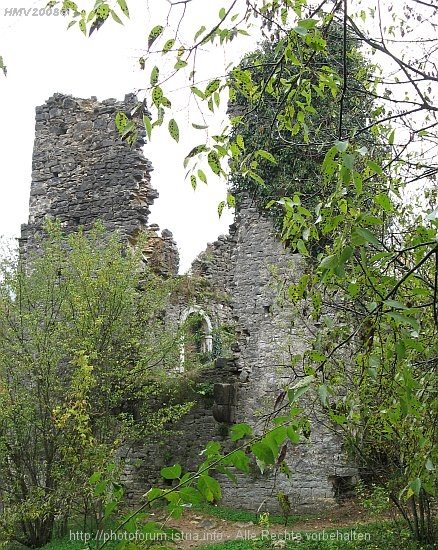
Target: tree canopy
pixel 287 163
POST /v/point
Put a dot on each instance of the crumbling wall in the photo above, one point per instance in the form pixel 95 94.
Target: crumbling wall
pixel 82 172
pixel 252 265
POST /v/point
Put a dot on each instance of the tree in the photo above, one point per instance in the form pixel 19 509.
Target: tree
pixel 81 357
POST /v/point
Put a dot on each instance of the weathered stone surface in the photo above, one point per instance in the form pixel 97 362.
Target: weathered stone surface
pixel 249 265
pixel 83 171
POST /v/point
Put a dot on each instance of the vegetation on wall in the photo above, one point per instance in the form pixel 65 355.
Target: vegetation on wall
pixel 286 162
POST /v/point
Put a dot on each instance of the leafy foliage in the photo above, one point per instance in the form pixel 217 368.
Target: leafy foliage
pixel 81 350
pixel 281 131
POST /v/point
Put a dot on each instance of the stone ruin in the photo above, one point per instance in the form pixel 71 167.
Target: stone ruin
pixel 83 171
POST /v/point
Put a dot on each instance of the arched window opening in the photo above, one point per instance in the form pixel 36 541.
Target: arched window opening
pixel 197 340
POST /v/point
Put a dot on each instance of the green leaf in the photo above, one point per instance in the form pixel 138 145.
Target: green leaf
pixel 180 64
pixel 190 495
pixel 121 121
pixel 299 388
pixel 308 23
pixel 301 31
pixel 240 142
pixel 301 247
pixel 116 17
pixel 329 164
pixel 384 201
pixel 193 182
pixel 398 317
pixel 202 176
pixel 83 26
pixel 254 176
pixel 278 435
pixel 102 11
pixel 323 394
pixel 211 87
pixel 209 487
pixel 168 45
pixel 266 155
pixel 341 146
pixel 348 161
pixel 130 126
pixel 154 34
pixel 199 32
pixel 109 508
pixel 358 184
pixel 155 73
pixel 239 460
pixel 346 254
pixel 171 472
pixel 148 126
pixel 361 235
pixel 293 433
pixel 220 208
pixel 239 431
pixel 196 151
pixel 395 304
pixel 263 452
pixel 415 486
pixel 345 174
pixel 123 7
pixel 400 350
pixel 157 95
pixel 329 262
pixel 173 129
pixel 375 167
pixel 95 477
pixel 214 163
pixel 197 92
pixel 100 488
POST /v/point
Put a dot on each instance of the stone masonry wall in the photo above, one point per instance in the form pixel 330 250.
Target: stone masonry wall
pixel 250 265
pixel 82 172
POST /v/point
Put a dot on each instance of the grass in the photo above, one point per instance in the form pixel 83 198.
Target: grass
pixel 242 515
pixel 379 536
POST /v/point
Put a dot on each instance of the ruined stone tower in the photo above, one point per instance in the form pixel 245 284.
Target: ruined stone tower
pixel 82 171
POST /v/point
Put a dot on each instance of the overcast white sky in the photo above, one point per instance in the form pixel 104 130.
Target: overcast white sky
pixel 42 58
